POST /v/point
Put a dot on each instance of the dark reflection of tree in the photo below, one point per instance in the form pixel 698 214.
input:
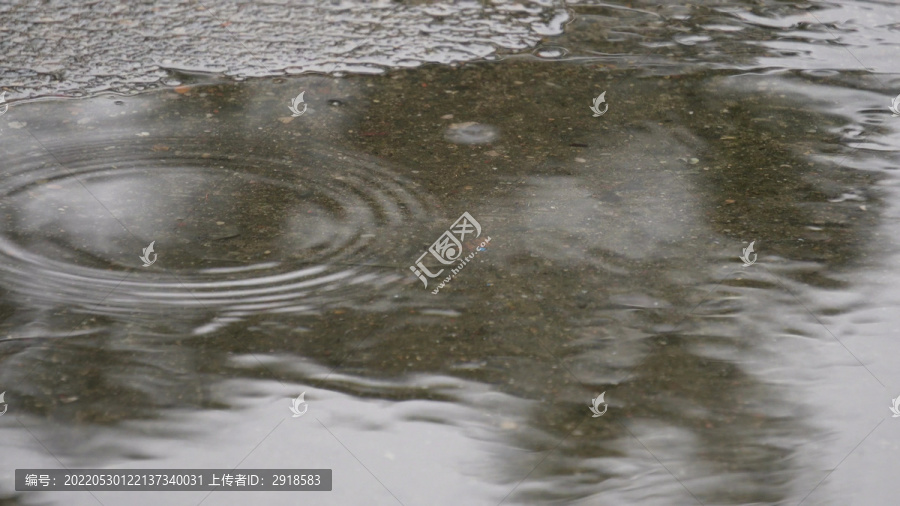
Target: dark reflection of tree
pixel 759 189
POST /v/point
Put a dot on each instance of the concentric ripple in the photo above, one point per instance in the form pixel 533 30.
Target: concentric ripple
pixel 234 235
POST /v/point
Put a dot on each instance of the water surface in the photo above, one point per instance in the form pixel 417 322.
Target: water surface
pixel 284 246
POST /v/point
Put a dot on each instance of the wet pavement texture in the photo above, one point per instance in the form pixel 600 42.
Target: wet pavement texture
pixel 283 246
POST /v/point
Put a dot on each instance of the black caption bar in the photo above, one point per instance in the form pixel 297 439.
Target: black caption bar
pixel 150 480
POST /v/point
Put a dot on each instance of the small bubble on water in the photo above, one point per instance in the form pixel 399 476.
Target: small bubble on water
pixel 470 133
pixel 550 52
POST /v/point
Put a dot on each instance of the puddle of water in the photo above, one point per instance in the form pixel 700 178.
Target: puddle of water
pixel 284 244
